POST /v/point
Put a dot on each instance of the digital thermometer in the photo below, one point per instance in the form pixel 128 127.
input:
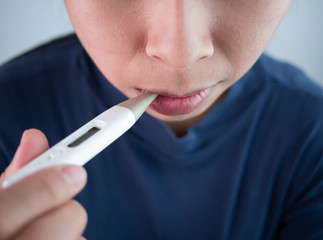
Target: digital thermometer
pixel 90 139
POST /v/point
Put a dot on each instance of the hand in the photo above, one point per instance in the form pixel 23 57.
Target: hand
pixel 41 206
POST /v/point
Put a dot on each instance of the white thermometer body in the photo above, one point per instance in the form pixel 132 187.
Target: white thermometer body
pixel 86 142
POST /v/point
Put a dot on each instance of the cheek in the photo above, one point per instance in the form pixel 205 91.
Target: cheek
pixel 245 29
pixel 110 32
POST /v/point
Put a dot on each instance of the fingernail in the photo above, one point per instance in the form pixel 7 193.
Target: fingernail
pixel 74 175
pixel 23 137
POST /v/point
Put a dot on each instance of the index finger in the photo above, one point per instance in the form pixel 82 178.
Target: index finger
pixel 33 143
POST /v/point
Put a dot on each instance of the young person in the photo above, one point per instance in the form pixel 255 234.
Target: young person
pixel 231 148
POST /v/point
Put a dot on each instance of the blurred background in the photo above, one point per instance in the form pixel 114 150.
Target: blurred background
pixel 25 24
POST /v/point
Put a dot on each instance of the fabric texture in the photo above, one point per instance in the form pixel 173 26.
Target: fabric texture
pixel 251 169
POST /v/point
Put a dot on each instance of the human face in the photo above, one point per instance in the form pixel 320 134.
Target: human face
pixel 188 51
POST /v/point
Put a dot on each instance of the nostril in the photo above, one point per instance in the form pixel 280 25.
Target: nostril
pixel 180 56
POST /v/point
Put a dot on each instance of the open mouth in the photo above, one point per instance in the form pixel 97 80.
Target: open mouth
pixel 173 105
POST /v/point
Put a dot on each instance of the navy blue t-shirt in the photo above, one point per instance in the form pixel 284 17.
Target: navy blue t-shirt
pixel 251 169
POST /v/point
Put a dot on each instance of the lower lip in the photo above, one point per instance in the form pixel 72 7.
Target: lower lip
pixel 172 106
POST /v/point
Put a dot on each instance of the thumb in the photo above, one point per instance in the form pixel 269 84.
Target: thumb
pixel 33 143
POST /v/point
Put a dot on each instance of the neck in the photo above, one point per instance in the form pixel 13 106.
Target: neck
pixel 180 128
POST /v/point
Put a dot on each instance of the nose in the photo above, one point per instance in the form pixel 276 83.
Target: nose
pixel 178 33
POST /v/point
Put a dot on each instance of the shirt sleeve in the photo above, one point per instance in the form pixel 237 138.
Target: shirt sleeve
pixel 303 215
pixel 4 159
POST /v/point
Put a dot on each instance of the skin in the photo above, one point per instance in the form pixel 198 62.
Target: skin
pixel 41 206
pixel 176 47
pixel 172 47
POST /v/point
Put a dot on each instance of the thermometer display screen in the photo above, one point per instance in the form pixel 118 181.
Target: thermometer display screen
pixel 84 137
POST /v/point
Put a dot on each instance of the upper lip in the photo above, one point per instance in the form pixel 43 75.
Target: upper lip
pixel 167 94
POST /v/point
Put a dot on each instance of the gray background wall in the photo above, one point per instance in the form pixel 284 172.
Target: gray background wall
pixel 25 24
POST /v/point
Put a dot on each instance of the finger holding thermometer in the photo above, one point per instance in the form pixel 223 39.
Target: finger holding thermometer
pixel 90 139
